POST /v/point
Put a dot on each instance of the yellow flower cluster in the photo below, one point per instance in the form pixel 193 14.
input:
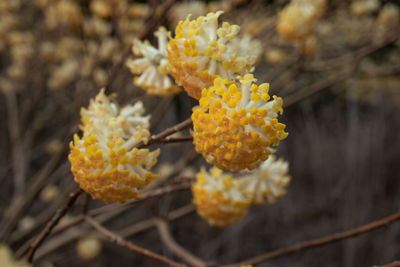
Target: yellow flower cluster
pixel 296 21
pixel 222 200
pixel 7 260
pixel 235 125
pixel 153 67
pixel 104 161
pixel 202 51
pixel 218 199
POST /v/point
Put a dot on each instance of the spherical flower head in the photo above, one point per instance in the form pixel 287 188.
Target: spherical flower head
pixel 104 161
pixel 296 20
pixel 267 183
pixel 203 50
pixel 217 198
pixel 236 125
pixel 153 66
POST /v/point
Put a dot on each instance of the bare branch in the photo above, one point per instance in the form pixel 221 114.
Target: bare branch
pixel 122 242
pixel 321 241
pixel 174 247
pixel 51 224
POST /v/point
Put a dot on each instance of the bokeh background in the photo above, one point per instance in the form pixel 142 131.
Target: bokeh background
pixel 342 91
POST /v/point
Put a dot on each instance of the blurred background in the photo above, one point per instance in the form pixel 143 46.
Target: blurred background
pixel 341 87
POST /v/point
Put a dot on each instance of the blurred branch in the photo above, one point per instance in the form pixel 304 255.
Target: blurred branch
pixel 321 241
pixel 393 264
pixel 316 87
pixel 51 224
pixel 115 208
pixel 18 207
pixel 349 57
pixel 150 223
pixel 122 242
pixel 74 233
pixel 170 243
pixel 351 61
pixel 18 153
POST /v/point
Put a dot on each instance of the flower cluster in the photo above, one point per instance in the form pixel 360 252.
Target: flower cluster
pixel 202 51
pixel 104 161
pixel 218 199
pixel 296 21
pixel 235 126
pixel 222 200
pixel 153 67
pixel 267 183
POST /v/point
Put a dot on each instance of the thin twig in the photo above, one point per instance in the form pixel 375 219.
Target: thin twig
pixel 18 155
pixel 18 208
pixel 51 224
pixel 167 132
pixel 321 241
pixel 179 139
pixel 315 88
pixel 115 208
pixel 122 242
pixel 74 233
pixel 174 247
pixel 393 264
pixel 85 204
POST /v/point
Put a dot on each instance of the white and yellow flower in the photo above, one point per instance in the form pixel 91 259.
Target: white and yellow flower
pixel 104 161
pixel 217 198
pixel 202 50
pixel 153 66
pixel 267 183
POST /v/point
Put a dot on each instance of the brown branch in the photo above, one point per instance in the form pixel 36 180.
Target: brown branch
pixel 51 224
pixel 174 247
pixel 393 264
pixel 179 139
pixel 349 57
pixel 321 241
pixel 73 234
pixel 18 208
pixel 122 242
pixel 167 132
pixel 315 88
pixel 18 153
pixel 150 26
pixel 115 208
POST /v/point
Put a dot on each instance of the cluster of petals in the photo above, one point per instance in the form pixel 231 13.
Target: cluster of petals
pixel 222 200
pixel 236 125
pixel 267 183
pixel 296 20
pixel 104 161
pixel 217 198
pixel 153 66
pixel 202 50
